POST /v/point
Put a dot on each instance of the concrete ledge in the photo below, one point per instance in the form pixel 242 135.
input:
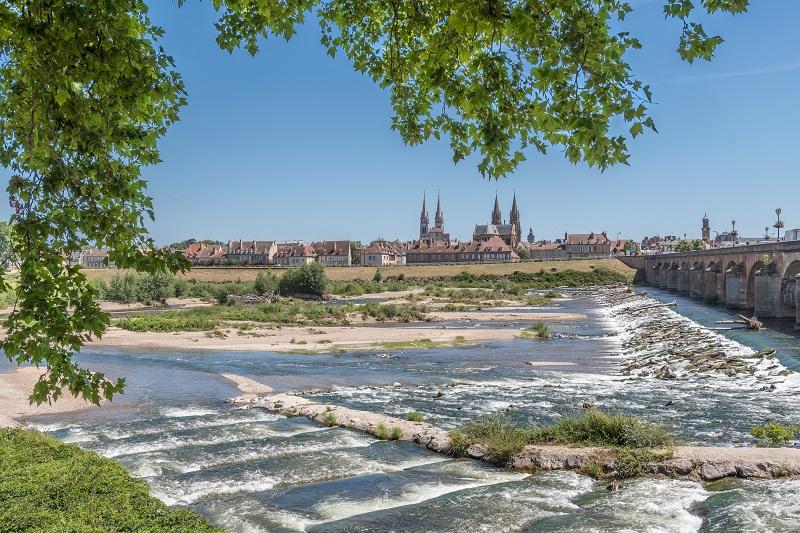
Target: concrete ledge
pixel 687 462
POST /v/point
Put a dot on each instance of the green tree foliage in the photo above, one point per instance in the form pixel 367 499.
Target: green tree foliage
pixel 631 248
pixel 689 246
pixel 86 92
pixel 307 279
pixel 355 252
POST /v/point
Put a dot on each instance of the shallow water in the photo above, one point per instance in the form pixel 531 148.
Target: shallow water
pixel 248 470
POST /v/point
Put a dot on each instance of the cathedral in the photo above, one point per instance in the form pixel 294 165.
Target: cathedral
pixel 510 233
pixel 436 234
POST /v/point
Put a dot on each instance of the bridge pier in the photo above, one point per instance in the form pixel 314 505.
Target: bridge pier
pixel 735 288
pixel 767 293
pixel 711 292
pixel 683 280
pixel 662 277
pixel 672 278
pixel 797 302
pixel 697 282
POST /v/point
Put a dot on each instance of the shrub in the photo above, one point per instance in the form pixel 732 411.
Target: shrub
pixel 378 277
pixel 266 283
pixel 308 279
pixel 155 287
pixel 180 287
pixel 414 416
pixel 775 433
pixel 123 288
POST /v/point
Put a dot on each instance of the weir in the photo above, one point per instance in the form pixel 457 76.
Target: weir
pixel 761 278
pixel 686 462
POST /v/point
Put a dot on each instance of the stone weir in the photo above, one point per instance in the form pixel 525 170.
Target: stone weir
pixel 686 462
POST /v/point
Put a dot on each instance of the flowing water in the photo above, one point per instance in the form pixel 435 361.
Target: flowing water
pixel 249 470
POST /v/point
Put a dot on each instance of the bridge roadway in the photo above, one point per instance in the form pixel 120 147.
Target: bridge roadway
pixel 762 278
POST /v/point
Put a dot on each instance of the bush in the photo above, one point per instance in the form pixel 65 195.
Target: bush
pixel 266 283
pixel 155 287
pixel 308 279
pixel 46 485
pixel 378 277
pixel 180 287
pixel 329 419
pixel 775 433
pixel 123 288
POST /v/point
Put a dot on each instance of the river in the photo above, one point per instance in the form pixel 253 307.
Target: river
pixel 248 470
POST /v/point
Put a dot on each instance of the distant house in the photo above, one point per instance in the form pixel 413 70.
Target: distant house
pixel 381 253
pixel 544 250
pixel 251 252
pixel 618 246
pixel 294 254
pixel 587 245
pixel 95 258
pixel 493 250
pixel 792 235
pixel 333 253
pixel 199 253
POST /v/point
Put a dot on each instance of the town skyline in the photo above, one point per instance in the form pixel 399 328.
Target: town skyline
pixel 294 145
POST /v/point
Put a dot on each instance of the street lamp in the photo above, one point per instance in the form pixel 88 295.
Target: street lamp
pixel 779 223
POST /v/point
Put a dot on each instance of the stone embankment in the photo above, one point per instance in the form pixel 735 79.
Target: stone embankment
pixel 687 462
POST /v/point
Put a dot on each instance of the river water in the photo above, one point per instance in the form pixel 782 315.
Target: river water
pixel 249 470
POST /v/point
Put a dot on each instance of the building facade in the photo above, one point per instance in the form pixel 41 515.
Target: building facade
pixel 382 254
pixel 333 253
pixel 493 250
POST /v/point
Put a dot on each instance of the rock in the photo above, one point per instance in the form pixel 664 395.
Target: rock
pixel 669 403
pixel 614 486
pixel 588 404
pixel 712 471
pixel 758 471
pixel 439 394
pixel 476 451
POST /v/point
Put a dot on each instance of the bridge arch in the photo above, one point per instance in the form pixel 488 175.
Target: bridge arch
pixel 789 287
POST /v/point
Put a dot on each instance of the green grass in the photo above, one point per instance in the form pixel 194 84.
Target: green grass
pixel 49 486
pixel 633 442
pixel 283 313
pixel 536 331
pixel 329 419
pixel 415 416
pixel 384 433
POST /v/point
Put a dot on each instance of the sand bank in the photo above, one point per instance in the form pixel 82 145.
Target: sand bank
pixel 17 385
pixel 294 339
pixel 499 315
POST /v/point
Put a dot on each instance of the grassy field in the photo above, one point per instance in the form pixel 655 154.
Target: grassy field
pixel 248 274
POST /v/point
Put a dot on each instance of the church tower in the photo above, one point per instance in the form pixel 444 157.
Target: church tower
pixel 514 219
pixel 497 217
pixel 423 220
pixel 531 237
pixel 706 228
pixel 439 219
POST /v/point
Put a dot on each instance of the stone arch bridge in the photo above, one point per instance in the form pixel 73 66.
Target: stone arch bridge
pixel 763 278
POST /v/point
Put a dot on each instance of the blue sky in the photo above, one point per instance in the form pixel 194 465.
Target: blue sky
pixel 291 144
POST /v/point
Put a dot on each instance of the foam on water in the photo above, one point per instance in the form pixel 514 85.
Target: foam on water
pixel 181 412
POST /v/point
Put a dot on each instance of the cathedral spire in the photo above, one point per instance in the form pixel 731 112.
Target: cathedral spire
pixel 439 220
pixel 497 217
pixel 423 219
pixel 514 219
